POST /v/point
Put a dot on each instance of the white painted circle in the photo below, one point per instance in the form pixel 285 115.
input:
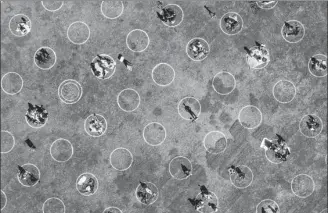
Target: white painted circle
pixel 216 198
pixel 300 129
pixel 72 148
pixel 310 68
pixel 284 102
pixel 112 18
pixel 4 206
pixel 259 66
pixel 52 10
pixel 183 177
pixel 144 137
pixel 153 70
pixel 118 97
pixel 244 187
pixel 96 181
pixel 270 201
pixel 282 34
pixel 269 8
pixel 55 198
pixel 60 91
pixel 261 116
pixel 242 23
pixel 291 185
pixel 110 208
pixel 157 194
pixel 110 159
pixel 45 47
pixel 234 84
pixel 78 22
pixel 86 130
pixel 182 16
pixel 12 93
pixel 127 43
pixel 200 108
pixel 29 20
pixel 207 135
pixel 36 127
pixel 323 211
pixel 108 56
pixel 14 142
pixel 39 175
pixel 197 38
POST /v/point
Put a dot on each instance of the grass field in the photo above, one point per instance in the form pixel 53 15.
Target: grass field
pixel 130 101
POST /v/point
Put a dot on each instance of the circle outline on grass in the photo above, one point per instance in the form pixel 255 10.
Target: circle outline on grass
pixel 110 159
pixel 284 102
pixel 259 124
pixel 14 93
pixel 60 92
pixel 20 14
pixel 118 97
pixel 310 69
pixel 282 29
pixel 6 200
pixel 60 161
pixel 182 16
pixel 299 126
pixel 87 173
pixel 258 68
pixel 152 74
pixel 180 156
pixel 56 198
pixel 112 207
pixel 101 10
pixel 14 142
pixel 244 187
pixel 291 186
pixel 85 126
pixel 323 210
pixel 148 40
pixel 31 164
pixel 267 8
pixel 113 70
pixel 234 80
pixel 75 22
pixel 43 47
pixel 200 107
pixel 215 131
pixel 136 191
pixel 266 156
pixel 267 200
pixel 36 127
pixel 62 3
pixel 144 137
pixel 242 23
pixel 199 38
pixel 216 197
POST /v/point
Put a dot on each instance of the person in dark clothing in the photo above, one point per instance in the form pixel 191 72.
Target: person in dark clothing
pixel 317 64
pixel 291 30
pixel 312 124
pixel 212 14
pixel 127 63
pixel 30 143
pixel 185 170
pixel 188 109
pixel 42 56
pixel 196 203
pixel 248 51
pixel 213 206
pixel 241 174
pixel 231 22
pixel 204 191
pixel 280 139
pixel 27 176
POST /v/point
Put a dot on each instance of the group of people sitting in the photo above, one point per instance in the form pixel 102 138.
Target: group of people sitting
pixel 145 194
pixel 86 184
pixel 96 125
pixel 291 29
pixel 269 209
pixel 167 15
pixel 197 49
pixel 231 23
pixel 312 124
pixel 36 115
pixel 27 176
pixel 281 150
pixel 23 27
pixel 198 203
pixel 235 169
pixel 42 56
pixel 259 53
pixel 102 65
pixel 318 64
